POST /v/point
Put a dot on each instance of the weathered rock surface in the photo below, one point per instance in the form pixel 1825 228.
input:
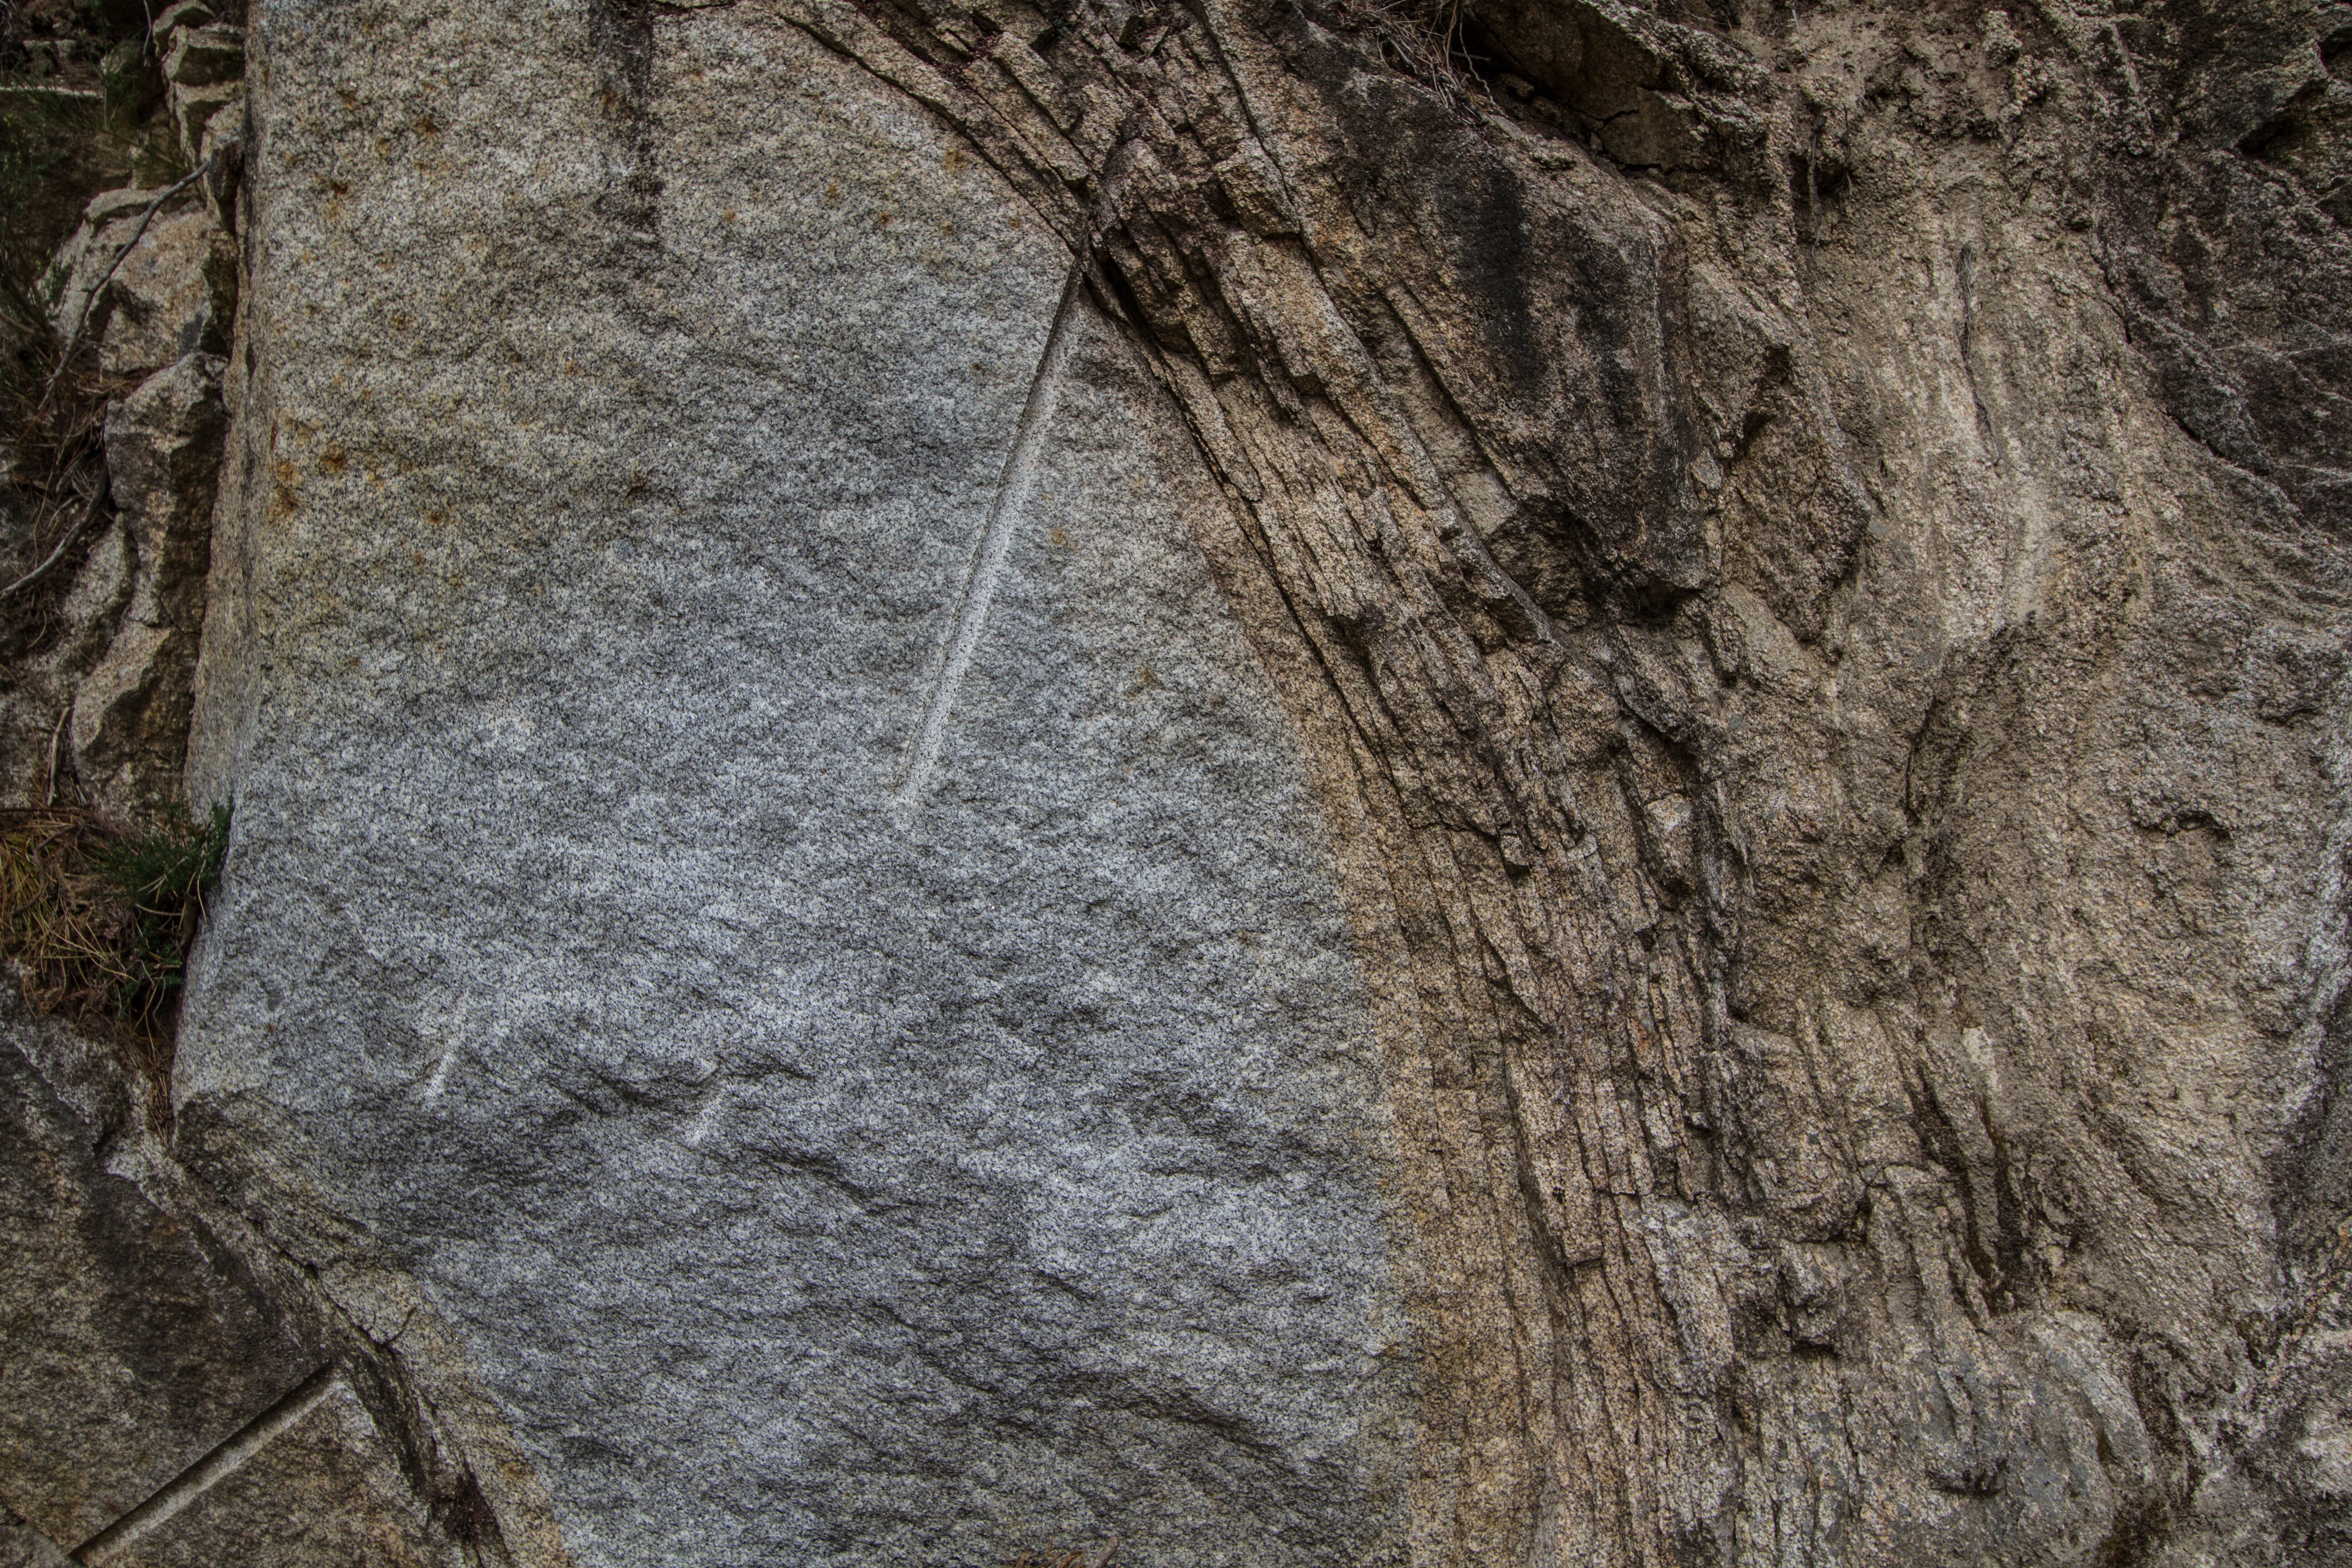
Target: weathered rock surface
pixel 173 294
pixel 136 1341
pixel 175 1392
pixel 323 1491
pixel 75 283
pixel 1012 776
pixel 131 710
pixel 23 1546
pixel 142 295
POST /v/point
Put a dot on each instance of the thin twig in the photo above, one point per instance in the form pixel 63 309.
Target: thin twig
pixel 55 735
pixel 73 338
pixel 89 513
pixel 61 469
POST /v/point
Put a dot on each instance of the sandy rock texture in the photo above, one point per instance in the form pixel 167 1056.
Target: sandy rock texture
pixel 1547 781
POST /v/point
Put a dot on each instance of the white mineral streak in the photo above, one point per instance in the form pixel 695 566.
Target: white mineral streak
pixel 1004 513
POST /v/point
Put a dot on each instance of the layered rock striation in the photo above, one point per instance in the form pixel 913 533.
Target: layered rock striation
pixel 1254 784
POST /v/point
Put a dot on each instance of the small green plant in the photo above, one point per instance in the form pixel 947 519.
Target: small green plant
pixel 169 863
pixel 160 876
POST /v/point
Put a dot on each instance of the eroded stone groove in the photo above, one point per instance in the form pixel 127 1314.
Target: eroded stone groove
pixel 996 542
pixel 234 1453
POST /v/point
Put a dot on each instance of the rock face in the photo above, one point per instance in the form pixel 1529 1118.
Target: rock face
pixel 136 1346
pixel 907 1043
pixel 145 292
pixel 1568 788
pixel 131 710
pixel 173 1394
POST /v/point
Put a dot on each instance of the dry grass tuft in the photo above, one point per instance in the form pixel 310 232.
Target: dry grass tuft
pixel 49 920
pixel 100 923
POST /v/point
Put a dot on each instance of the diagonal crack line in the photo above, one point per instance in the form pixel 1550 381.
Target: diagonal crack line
pixel 996 544
pixel 211 1470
